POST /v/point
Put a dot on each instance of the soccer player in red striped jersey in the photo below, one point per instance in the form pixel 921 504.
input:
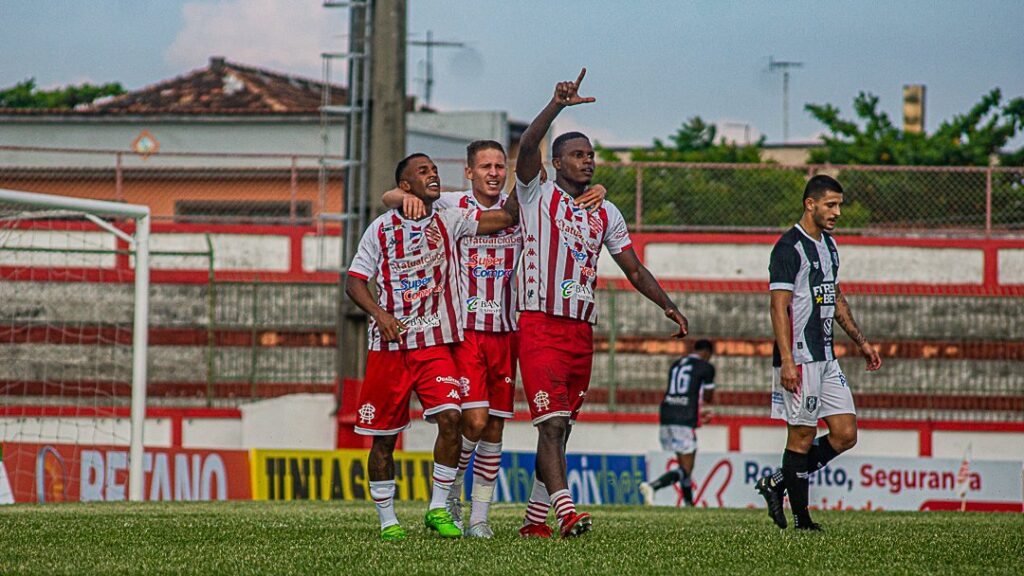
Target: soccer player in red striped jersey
pixel 414 324
pixel 486 357
pixel 556 299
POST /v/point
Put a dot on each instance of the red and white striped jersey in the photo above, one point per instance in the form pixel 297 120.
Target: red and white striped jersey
pixel 414 262
pixel 486 266
pixel 562 243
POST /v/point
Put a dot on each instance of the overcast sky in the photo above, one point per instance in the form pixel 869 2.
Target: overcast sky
pixel 652 64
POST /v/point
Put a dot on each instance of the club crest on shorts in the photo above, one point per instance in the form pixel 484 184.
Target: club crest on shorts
pixel 810 403
pixel 464 386
pixel 541 401
pixel 367 413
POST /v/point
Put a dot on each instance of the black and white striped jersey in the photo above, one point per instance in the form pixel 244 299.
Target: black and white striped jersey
pixel 809 269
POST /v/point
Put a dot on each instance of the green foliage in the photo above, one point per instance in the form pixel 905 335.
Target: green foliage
pixel 26 95
pixel 694 141
pixel 768 197
pixel 341 538
pixel 965 140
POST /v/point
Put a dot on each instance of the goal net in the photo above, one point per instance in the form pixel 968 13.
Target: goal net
pixel 74 285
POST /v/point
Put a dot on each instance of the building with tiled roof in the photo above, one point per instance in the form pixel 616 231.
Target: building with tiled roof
pixel 206 142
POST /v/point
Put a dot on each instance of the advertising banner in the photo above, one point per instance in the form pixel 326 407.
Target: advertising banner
pixel 852 482
pixel 593 478
pixel 81 473
pixel 333 475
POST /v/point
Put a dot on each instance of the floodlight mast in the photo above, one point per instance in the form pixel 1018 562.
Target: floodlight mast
pixel 773 66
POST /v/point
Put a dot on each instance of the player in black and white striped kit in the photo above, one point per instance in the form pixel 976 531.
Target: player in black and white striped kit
pixel 691 387
pixel 806 303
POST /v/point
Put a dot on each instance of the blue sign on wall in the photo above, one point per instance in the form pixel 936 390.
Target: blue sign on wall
pixel 593 478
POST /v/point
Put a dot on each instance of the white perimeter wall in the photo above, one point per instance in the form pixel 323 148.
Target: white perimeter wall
pixel 304 421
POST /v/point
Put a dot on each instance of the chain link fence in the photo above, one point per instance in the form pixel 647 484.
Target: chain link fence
pixel 291 189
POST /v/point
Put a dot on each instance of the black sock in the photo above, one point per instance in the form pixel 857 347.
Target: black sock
pixel 794 471
pixel 821 453
pixel 687 486
pixel 668 478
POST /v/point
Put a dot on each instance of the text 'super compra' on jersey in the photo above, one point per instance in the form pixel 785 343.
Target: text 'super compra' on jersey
pixel 561 245
pixel 413 263
pixel 486 268
pixel 809 269
pixel 687 378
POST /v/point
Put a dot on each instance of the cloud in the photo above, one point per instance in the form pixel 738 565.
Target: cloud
pixel 286 35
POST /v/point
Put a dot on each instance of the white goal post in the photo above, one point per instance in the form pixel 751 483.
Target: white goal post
pixel 27 203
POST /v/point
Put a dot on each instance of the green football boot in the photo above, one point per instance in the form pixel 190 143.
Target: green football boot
pixel 392 533
pixel 440 520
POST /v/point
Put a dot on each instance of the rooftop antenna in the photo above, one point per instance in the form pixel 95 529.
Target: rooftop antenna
pixel 773 66
pixel 430 43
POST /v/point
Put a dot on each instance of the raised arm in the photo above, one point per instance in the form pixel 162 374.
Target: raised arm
pixel 641 279
pixel 844 316
pixel 781 300
pixel 529 160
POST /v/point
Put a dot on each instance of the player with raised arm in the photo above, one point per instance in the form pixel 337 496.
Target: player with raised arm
pixel 485 358
pixel 691 387
pixel 808 384
pixel 414 323
pixel 555 293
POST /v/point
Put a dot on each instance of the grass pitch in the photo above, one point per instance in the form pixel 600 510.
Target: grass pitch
pixel 341 538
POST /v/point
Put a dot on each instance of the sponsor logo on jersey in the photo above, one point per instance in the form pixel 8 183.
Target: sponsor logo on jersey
pixel 484 261
pixel 479 305
pixel 825 293
pixel 421 322
pixel 502 241
pixel 569 229
pixel 431 259
pixel 573 289
pixel 405 285
pixel 577 255
pixel 588 272
pixel 414 295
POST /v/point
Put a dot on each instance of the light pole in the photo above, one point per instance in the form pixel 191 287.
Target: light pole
pixel 430 43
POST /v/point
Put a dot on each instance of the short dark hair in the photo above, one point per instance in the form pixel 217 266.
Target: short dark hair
pixel 559 143
pixel 818 185
pixel 405 162
pixel 703 345
pixel 478 145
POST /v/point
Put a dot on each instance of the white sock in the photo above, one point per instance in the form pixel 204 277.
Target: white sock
pixel 537 508
pixel 383 494
pixel 485 472
pixel 444 477
pixel 468 446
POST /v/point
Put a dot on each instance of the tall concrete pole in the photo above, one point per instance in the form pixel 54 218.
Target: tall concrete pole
pixel 386 146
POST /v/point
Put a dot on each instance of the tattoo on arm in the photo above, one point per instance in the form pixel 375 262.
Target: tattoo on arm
pixel 845 318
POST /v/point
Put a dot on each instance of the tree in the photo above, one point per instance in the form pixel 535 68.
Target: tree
pixel 694 141
pixel 25 95
pixel 970 139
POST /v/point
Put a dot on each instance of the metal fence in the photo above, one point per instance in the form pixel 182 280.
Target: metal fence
pixel 287 189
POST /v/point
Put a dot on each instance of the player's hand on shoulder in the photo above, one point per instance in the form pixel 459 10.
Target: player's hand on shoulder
pixel 412 207
pixel 391 329
pixel 673 314
pixel 592 199
pixel 874 361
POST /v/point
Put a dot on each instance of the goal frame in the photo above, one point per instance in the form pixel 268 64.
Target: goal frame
pixel 140 320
